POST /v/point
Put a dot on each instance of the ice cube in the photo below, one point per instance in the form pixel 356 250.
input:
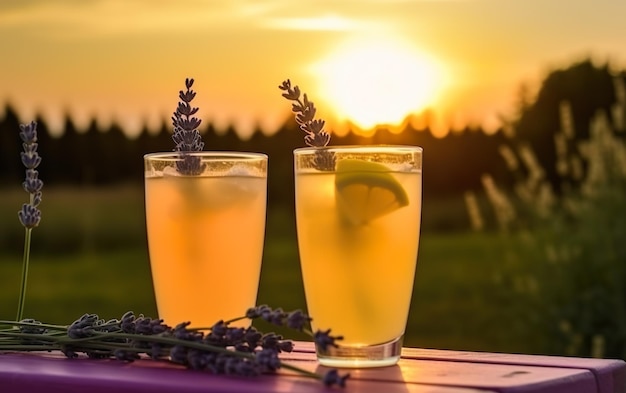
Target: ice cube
pixel 226 191
pixel 170 171
pixel 240 170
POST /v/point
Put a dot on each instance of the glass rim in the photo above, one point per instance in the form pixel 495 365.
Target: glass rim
pixel 377 148
pixel 210 154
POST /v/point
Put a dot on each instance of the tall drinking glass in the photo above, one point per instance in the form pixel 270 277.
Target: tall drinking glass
pixel 358 213
pixel 206 230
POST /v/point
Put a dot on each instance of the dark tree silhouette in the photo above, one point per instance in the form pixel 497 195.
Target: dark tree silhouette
pixel 587 88
pixel 10 146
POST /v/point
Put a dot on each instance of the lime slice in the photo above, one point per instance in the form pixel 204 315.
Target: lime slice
pixel 366 190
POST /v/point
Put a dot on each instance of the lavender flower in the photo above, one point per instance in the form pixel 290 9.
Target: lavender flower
pixel 178 354
pixel 29 215
pixel 271 341
pixel 182 333
pixel 32 327
pixel 235 334
pixel 332 377
pixel 219 329
pixel 323 339
pixel 82 327
pixel 255 312
pixel 275 317
pixel 186 135
pixel 246 368
pixel 313 128
pixel 296 319
pixel 252 337
pixel 140 324
pixel 268 359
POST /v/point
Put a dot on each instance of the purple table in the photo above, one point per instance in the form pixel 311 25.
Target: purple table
pixel 419 370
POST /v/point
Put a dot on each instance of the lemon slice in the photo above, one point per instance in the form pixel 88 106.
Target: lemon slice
pixel 366 190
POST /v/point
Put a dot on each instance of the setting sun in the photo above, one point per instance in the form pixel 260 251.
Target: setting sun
pixel 372 83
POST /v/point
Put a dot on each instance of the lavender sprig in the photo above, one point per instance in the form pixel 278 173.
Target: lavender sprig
pixel 296 320
pixel 304 110
pixel 29 215
pixel 220 349
pixel 186 135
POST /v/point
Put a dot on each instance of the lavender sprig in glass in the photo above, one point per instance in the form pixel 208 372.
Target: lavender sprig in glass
pixel 29 215
pixel 186 135
pixel 315 136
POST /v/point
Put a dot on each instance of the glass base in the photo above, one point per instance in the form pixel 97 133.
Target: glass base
pixel 379 355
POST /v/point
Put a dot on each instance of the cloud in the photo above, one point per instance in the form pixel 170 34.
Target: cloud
pixel 64 18
pixel 71 20
pixel 321 23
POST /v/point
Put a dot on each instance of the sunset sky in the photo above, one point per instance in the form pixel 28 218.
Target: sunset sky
pixel 368 61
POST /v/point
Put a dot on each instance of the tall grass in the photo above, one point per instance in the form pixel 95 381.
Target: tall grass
pixel 566 258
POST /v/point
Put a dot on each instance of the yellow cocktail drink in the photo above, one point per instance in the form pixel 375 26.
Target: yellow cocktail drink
pixel 358 234
pixel 205 236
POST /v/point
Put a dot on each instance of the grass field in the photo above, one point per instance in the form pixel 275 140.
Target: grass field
pixel 89 255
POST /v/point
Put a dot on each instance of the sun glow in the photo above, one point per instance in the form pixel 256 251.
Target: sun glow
pixel 375 83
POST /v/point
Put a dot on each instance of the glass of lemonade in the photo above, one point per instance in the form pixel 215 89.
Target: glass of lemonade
pixel 205 233
pixel 358 213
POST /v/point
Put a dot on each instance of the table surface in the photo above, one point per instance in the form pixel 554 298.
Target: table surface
pixel 419 370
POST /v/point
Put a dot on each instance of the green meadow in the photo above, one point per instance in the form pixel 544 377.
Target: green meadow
pixel 90 256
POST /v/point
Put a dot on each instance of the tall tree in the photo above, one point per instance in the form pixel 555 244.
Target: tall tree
pixel 587 88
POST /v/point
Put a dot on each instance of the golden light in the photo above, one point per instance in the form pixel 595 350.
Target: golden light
pixel 371 83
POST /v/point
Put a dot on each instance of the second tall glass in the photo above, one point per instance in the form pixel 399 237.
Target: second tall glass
pixel 358 212
pixel 205 215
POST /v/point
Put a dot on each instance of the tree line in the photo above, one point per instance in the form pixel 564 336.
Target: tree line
pixel 452 164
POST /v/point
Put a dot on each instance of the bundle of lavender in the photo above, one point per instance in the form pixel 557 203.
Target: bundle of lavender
pixel 219 349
